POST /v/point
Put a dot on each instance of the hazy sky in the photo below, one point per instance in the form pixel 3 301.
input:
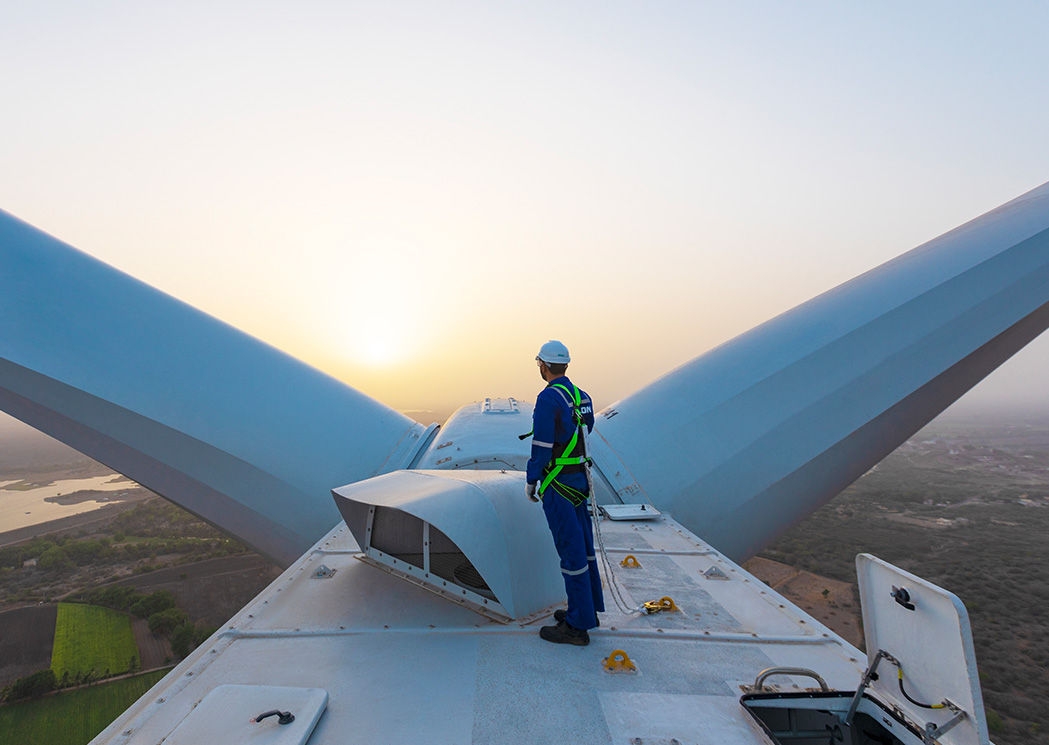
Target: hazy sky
pixel 413 196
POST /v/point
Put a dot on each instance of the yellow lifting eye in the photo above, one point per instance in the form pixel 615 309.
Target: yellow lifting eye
pixel 618 662
pixel 664 603
pixel 630 561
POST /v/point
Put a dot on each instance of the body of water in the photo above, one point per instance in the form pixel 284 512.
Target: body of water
pixel 21 508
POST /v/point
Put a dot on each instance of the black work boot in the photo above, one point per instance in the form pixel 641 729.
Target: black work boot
pixel 561 613
pixel 562 633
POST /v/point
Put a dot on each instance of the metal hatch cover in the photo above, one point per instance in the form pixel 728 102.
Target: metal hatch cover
pixel 926 629
pixel 226 715
pixel 630 511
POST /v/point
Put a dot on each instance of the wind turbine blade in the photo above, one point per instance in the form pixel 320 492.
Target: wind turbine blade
pixel 747 439
pixel 239 433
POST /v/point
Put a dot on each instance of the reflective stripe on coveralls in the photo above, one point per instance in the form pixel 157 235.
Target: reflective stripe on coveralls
pixel 572 532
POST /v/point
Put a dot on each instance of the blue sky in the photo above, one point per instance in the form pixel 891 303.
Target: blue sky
pixel 413 196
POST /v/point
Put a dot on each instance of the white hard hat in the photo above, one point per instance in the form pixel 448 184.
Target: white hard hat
pixel 554 353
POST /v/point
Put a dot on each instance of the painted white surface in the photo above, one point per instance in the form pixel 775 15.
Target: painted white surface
pixel 403 665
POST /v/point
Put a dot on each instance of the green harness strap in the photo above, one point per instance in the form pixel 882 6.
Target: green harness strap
pixel 574 496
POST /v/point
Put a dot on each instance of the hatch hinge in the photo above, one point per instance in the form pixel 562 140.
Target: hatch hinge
pixel 868 676
pixel 932 732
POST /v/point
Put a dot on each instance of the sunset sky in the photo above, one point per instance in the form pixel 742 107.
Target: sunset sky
pixel 414 196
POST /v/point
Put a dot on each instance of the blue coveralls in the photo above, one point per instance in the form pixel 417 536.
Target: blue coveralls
pixel 571 527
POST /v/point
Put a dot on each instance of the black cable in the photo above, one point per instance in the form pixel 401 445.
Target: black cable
pixel 906 696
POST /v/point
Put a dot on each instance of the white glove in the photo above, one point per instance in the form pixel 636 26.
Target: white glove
pixel 530 491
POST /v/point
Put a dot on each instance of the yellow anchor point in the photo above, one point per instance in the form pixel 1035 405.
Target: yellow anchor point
pixel 618 662
pixel 664 603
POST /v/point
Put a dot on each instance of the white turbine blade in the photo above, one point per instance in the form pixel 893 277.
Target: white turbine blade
pixel 747 439
pixel 237 432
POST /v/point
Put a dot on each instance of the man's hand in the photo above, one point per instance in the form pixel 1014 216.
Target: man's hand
pixel 530 491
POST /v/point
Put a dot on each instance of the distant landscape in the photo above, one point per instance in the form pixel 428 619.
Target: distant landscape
pixel 964 504
pixel 96 607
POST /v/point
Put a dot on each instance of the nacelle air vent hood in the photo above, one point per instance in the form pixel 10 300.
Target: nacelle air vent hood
pixel 470 536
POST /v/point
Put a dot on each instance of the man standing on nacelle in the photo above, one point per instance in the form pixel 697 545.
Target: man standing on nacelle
pixel 558 475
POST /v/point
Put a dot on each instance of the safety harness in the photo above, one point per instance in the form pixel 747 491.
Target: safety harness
pixel 572 458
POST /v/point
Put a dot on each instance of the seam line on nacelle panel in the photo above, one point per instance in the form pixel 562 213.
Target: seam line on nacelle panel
pixel 613 476
pixel 719 637
pixel 235 634
pixel 661 552
pixel 424 444
pixel 405 452
pixel 675 634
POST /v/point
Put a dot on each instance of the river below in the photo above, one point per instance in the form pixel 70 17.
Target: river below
pixel 21 507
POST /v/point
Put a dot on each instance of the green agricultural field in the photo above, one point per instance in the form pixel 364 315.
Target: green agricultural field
pixel 72 717
pixel 91 639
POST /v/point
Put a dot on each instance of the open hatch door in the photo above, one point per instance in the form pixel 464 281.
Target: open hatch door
pixel 923 630
pixel 921 685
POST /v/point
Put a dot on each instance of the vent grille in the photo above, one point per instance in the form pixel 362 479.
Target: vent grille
pixel 417 543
